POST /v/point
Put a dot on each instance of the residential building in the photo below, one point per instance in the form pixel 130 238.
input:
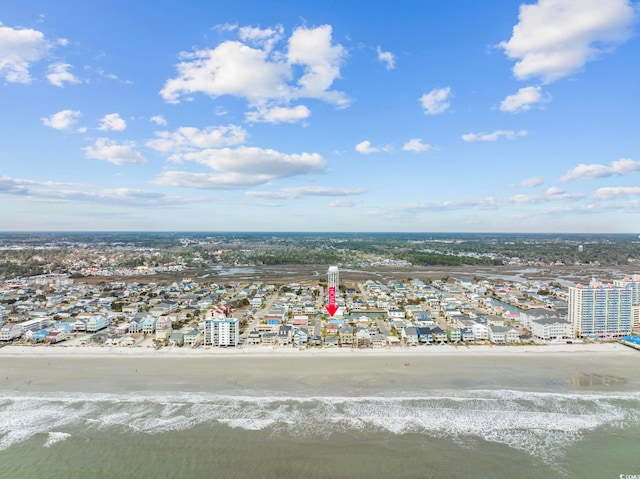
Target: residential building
pixel 221 331
pixel 301 337
pixel 253 338
pixel 497 334
pixel 346 336
pixel 96 322
pixel 192 338
pixel 600 309
pixel 285 335
pixel 551 328
pixel 164 327
pixel 410 336
pixel 9 333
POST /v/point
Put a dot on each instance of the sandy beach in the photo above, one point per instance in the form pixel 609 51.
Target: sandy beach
pixel 442 350
pixel 257 370
pixel 525 408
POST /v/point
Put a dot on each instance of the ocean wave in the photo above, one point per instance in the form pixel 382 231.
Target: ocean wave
pixel 538 423
pixel 55 437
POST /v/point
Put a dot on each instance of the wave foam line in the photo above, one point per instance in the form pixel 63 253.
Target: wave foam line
pixel 532 422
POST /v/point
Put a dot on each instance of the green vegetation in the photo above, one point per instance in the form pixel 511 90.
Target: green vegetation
pixel 28 254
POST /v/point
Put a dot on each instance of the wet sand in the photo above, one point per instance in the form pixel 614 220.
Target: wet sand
pixel 263 371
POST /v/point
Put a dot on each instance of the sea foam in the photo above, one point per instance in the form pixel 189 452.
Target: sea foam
pixel 538 423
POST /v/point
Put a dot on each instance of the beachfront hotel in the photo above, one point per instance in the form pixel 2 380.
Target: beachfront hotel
pixel 221 331
pixel 604 309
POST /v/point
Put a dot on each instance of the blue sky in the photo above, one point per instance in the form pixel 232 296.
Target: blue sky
pixel 320 116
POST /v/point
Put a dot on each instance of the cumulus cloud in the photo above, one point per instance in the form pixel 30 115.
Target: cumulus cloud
pixel 241 167
pixel 112 122
pixel 262 37
pixel 114 152
pixel 611 192
pixel 313 49
pixel 258 161
pixel 209 181
pixel 436 101
pixel 496 135
pixel 531 182
pixel 189 138
pixel 365 147
pixel 387 58
pixel 158 120
pixel 623 166
pixel 58 74
pixel 523 100
pixel 554 191
pixel 416 145
pixel 63 120
pixel 278 114
pixel 254 69
pixel 19 48
pixel 555 38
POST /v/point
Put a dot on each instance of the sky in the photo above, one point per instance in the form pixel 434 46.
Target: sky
pixel 328 116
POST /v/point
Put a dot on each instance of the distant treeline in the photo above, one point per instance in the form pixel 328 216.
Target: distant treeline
pixel 420 258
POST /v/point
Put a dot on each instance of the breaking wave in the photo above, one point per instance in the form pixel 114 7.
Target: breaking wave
pixel 537 423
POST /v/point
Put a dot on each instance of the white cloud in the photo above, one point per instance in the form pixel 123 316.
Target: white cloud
pixel 225 27
pixel 324 191
pixel 58 74
pixel 112 122
pixel 436 101
pixel 365 148
pixel 263 37
pixel 496 135
pixel 269 195
pixel 555 38
pixel 189 138
pixel 114 152
pixel 387 58
pixel 47 190
pixel 232 68
pixel 242 167
pixel 610 192
pixel 301 191
pixel 63 120
pixel 313 48
pixel 261 74
pixel 278 114
pixel 554 191
pixel 523 99
pixel 209 181
pixel 158 120
pixel 258 161
pixel 622 166
pixel 531 182
pixel 343 203
pixel 526 199
pixel 416 145
pixel 19 48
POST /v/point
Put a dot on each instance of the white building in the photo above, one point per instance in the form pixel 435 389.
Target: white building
pixel 603 309
pixel 221 331
pixel 551 328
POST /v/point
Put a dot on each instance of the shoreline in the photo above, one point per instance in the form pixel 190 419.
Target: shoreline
pixel 261 351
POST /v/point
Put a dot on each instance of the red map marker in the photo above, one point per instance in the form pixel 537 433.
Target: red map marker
pixel 331 307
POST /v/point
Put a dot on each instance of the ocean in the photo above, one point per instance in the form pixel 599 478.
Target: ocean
pixel 563 418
